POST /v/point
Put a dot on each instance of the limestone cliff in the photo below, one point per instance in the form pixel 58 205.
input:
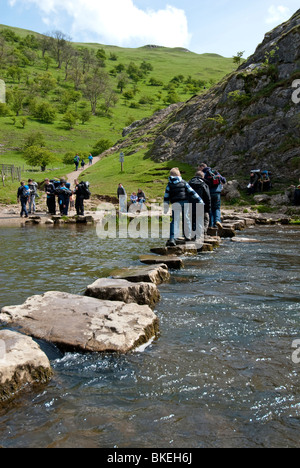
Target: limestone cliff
pixel 247 121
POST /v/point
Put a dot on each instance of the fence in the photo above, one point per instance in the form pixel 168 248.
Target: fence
pixel 9 171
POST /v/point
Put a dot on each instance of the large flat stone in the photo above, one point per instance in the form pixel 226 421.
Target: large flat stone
pixel 22 362
pixel 81 323
pixel 124 291
pixel 156 274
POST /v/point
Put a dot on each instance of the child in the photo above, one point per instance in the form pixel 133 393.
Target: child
pixel 179 193
pixel 133 198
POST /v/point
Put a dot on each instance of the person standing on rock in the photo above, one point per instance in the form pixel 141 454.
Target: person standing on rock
pixel 199 185
pixel 79 203
pixel 50 192
pixel 179 193
pixel 122 196
pixel 23 196
pixel 215 182
pixel 33 187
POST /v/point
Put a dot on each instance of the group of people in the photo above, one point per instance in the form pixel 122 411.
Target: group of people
pixel 203 189
pixel 136 198
pixel 185 197
pixel 260 181
pixel 62 190
pixel 78 160
pixel 27 194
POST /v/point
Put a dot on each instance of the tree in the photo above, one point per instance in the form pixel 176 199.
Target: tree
pixel 70 118
pixel 84 116
pixel 17 99
pixel 95 86
pixel 122 82
pixel 59 43
pixel 238 58
pixel 44 112
pixel 35 138
pixel 45 82
pixel 37 156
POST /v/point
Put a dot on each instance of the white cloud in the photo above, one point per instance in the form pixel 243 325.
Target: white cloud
pixel 117 22
pixel 278 14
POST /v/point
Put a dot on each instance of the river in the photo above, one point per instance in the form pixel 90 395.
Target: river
pixel 220 374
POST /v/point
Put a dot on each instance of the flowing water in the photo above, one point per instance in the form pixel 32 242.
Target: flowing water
pixel 220 374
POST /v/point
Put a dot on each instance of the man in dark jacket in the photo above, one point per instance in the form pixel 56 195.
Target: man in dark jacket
pixel 23 196
pixel 79 203
pixel 215 183
pixel 50 191
pixel 201 188
pixel 180 195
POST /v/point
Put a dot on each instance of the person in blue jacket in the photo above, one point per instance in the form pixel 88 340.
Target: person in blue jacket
pixel 181 195
pixel 215 182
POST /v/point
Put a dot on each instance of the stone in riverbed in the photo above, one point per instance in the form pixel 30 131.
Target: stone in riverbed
pixel 124 291
pixel 156 274
pixel 80 323
pixel 171 261
pixel 22 362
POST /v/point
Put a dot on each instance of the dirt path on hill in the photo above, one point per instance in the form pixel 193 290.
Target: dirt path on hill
pixel 75 174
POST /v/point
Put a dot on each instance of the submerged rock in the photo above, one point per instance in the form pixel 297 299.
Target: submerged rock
pixel 83 323
pixel 122 290
pixel 22 362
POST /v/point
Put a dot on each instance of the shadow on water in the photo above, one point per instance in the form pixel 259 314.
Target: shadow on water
pixel 219 375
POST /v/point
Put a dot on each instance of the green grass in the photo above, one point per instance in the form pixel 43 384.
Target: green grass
pixel 139 172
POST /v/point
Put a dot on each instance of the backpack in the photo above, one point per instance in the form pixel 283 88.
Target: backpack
pixel 212 178
pixel 84 190
pixel 25 192
pixel 33 189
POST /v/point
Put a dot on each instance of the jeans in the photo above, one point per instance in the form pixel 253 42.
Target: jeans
pixel 178 209
pixel 215 213
pixel 23 206
pixel 198 221
pixel 31 206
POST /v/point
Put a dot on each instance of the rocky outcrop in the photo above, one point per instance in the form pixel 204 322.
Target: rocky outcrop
pixel 124 291
pixel 22 363
pixel 247 121
pixel 80 323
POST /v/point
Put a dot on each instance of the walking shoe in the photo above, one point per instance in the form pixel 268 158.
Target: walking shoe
pixel 171 243
pixel 219 225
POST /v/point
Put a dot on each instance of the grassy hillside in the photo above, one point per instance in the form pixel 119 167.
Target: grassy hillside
pixel 154 77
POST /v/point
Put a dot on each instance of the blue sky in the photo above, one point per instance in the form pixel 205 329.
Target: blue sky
pixel 219 26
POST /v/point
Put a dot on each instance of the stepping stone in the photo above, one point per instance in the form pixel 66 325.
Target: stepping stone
pixel 152 274
pixel 84 324
pixel 172 262
pixel 22 362
pixel 124 291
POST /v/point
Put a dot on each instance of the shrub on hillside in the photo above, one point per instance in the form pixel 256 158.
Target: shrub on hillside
pixel 101 146
pixel 37 156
